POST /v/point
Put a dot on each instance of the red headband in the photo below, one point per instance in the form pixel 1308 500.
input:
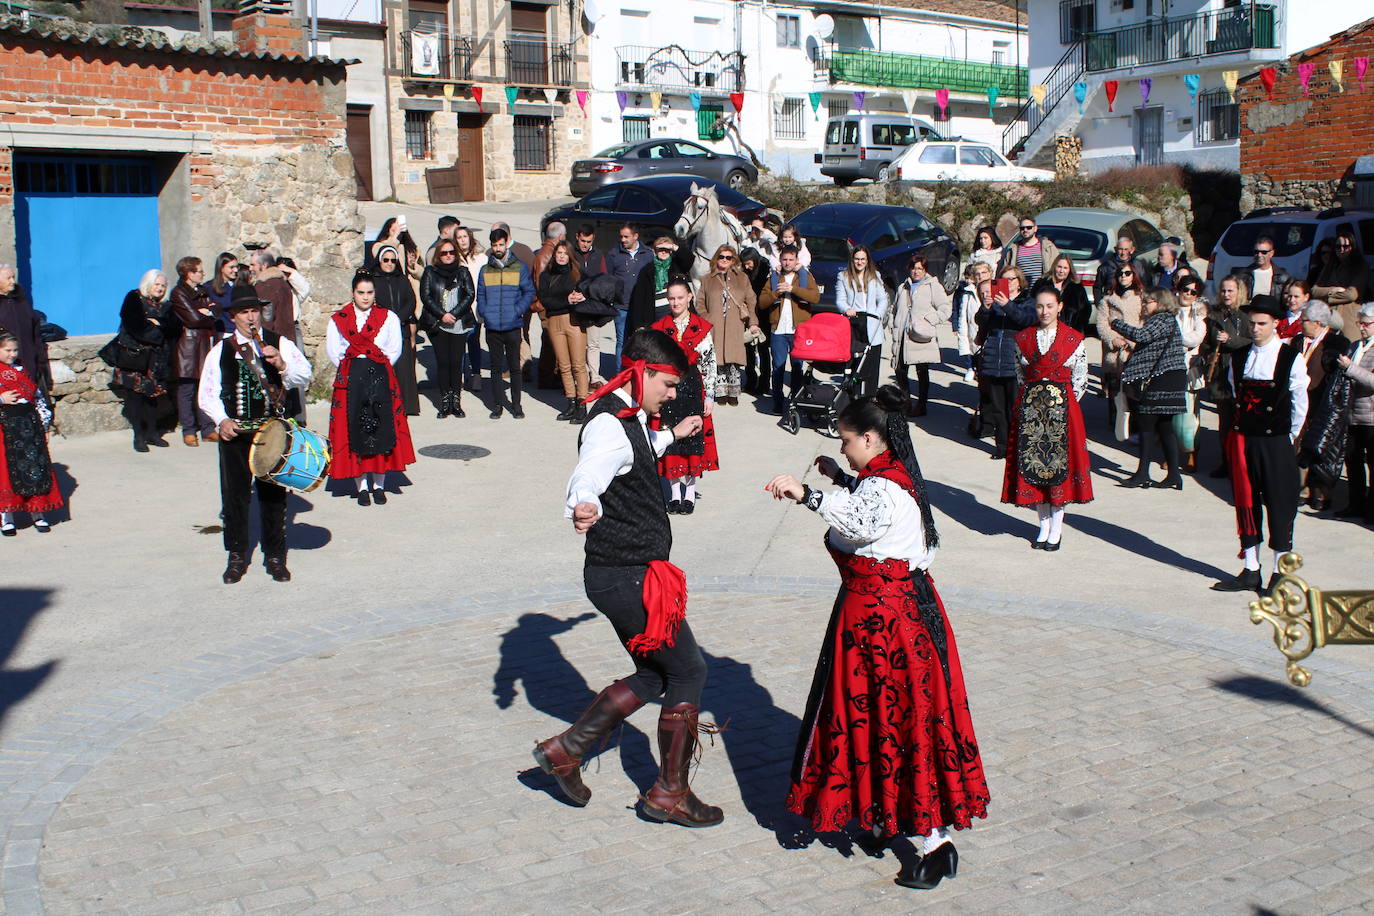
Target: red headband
pixel 633 372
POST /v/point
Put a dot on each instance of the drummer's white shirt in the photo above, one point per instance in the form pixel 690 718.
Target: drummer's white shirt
pixel 297 374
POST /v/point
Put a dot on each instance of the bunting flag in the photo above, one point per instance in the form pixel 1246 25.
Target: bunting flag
pixel 1228 79
pixel 859 98
pixel 655 100
pixel 815 98
pixel 737 99
pixel 1361 67
pixel 622 98
pixel 909 99
pixel 1192 81
pixel 512 93
pixel 477 96
pixel 1111 86
pixel 1145 86
pixel 1304 77
pixel 695 99
pixel 1080 94
pixel 582 101
pixel 1337 68
pixel 942 99
pixel 993 92
pixel 448 90
pixel 550 96
pixel 1038 94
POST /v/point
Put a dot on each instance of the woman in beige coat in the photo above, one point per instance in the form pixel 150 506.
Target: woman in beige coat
pixel 1122 302
pixel 727 301
pixel 921 305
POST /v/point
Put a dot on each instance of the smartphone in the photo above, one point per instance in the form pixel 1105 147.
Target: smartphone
pixel 1002 286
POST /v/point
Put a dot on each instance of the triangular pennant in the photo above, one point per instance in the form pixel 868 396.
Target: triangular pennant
pixel 1229 78
pixel 1304 77
pixel 622 98
pixel 1337 68
pixel 477 96
pixel 582 101
pixel 942 100
pixel 448 90
pixel 815 98
pixel 1361 67
pixel 512 93
pixel 1111 86
pixel 1145 86
pixel 695 99
pixel 909 99
pixel 1038 94
pixel 993 92
pixel 655 100
pixel 859 98
pixel 737 99
pixel 549 96
pixel 1080 94
pixel 1192 81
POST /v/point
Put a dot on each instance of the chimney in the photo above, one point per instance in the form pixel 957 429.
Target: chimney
pixel 267 26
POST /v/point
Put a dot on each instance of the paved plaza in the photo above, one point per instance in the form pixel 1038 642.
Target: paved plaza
pixel 358 740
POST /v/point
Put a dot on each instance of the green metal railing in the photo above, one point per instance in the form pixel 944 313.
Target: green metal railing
pixel 1172 38
pixel 910 71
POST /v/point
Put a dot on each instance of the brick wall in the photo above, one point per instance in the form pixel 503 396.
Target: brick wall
pixel 1298 149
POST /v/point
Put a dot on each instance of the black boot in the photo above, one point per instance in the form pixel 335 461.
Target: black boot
pixel 455 404
pixel 496 391
pixel 671 797
pixel 1247 580
pixel 569 412
pixel 236 567
pixel 580 414
pixel 443 405
pixel 561 756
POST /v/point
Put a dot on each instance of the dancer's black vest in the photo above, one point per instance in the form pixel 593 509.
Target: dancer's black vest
pixel 1264 408
pixel 633 528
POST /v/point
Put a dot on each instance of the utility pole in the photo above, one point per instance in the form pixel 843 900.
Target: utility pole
pixel 207 28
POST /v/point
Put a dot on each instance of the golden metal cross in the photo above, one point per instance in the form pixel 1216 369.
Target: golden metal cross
pixel 1306 618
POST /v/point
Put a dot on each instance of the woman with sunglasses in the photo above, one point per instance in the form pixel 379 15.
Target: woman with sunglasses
pixel 1344 283
pixel 447 294
pixel 727 301
pixel 559 295
pixel 1192 326
pixel 1122 302
pixel 396 295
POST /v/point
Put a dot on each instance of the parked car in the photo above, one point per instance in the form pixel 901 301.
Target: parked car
pixel 654 204
pixel 893 233
pixel 1296 231
pixel 659 156
pixel 1087 235
pixel 960 160
pixel 862 144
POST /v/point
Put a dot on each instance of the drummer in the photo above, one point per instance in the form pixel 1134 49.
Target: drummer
pixel 248 377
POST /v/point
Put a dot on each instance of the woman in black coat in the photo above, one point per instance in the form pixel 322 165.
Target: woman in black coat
pixel 143 336
pixel 446 297
pixel 1074 297
pixel 559 294
pixel 395 294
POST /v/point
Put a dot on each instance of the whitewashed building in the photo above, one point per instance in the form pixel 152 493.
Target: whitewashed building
pixel 1184 48
pixel 689 56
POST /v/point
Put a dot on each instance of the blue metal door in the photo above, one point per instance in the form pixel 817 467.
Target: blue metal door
pixel 86 231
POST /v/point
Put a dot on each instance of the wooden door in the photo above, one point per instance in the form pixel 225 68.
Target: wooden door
pixel 360 147
pixel 471 171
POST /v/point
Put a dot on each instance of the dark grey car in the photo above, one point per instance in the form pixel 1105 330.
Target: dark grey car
pixel 660 156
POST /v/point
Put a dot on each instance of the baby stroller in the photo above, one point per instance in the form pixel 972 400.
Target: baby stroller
pixel 823 344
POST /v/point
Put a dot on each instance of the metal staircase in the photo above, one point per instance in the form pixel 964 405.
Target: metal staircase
pixel 1034 125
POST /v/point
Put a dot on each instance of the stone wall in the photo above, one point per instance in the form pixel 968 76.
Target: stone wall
pixel 81 387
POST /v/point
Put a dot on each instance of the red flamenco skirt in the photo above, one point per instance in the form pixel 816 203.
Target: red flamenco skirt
pixel 1047 449
pixel 345 463
pixel 24 463
pixel 887 737
pixel 695 455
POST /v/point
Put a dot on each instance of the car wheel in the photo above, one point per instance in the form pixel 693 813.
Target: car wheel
pixel 844 182
pixel 951 277
pixel 882 174
pixel 736 179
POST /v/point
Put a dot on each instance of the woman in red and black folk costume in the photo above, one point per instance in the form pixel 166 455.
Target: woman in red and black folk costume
pixel 27 481
pixel 688 459
pixel 887 739
pixel 368 431
pixel 1047 453
pixel 615 498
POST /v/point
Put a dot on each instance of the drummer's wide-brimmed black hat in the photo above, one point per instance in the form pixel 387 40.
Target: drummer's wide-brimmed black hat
pixel 1264 304
pixel 243 296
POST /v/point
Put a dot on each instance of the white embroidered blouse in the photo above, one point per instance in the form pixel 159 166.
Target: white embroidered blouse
pixel 876 518
pixel 1078 362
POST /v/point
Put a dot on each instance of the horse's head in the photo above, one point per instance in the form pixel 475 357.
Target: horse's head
pixel 696 206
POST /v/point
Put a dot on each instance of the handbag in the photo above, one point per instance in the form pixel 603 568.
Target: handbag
pixel 922 329
pixel 124 353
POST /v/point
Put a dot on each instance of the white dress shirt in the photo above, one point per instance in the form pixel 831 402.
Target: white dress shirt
pixel 297 374
pixel 606 453
pixel 1259 366
pixel 785 323
pixel 1264 281
pixel 878 519
pixel 388 338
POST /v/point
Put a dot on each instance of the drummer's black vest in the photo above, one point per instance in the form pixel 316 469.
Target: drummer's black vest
pixel 633 528
pixel 256 407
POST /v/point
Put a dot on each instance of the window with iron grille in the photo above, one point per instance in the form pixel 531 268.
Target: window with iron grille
pixel 418 141
pixel 1218 118
pixel 707 116
pixel 789 121
pixel 789 31
pixel 632 130
pixel 533 143
pixel 83 176
pixel 836 106
pixel 1076 19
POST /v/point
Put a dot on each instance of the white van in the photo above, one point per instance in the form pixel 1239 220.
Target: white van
pixel 862 144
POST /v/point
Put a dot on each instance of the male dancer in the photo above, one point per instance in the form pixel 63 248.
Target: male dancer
pixel 242 383
pixel 615 498
pixel 1271 405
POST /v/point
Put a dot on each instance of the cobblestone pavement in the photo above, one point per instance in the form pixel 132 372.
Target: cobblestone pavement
pixel 380 763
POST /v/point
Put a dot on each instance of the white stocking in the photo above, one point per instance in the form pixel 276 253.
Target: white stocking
pixel 1277 554
pixel 362 484
pixel 675 489
pixel 933 840
pixel 1252 558
pixel 689 488
pixel 1056 524
pixel 378 480
pixel 1044 512
pixel 6 519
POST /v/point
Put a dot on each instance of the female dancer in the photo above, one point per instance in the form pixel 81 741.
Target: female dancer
pixel 887 738
pixel 27 481
pixel 1047 453
pixel 690 457
pixel 368 431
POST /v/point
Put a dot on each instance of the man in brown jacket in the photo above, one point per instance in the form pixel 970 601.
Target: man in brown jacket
pixel 784 304
pixel 271 286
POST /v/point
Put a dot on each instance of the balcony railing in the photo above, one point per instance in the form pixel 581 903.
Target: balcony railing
pixel 862 67
pixel 1171 38
pixel 676 69
pixel 442 57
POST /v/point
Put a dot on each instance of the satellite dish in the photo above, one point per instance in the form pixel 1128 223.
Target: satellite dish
pixel 813 47
pixel 593 11
pixel 823 26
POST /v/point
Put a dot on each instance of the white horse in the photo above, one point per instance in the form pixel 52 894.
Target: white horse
pixel 707 226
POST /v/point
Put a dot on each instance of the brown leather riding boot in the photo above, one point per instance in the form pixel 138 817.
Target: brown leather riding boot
pixel 561 756
pixel 671 797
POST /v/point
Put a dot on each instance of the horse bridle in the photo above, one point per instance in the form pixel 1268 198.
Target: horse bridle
pixel 699 208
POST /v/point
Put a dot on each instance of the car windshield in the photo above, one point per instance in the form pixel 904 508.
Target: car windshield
pixel 826 242
pixel 1079 244
pixel 613 152
pixel 1289 238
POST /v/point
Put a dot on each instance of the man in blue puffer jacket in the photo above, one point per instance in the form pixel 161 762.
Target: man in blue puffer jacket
pixel 504 294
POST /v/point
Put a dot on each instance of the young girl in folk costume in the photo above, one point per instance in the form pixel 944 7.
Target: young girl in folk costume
pixel 887 739
pixel 1047 453
pixel 688 458
pixel 368 431
pixel 27 481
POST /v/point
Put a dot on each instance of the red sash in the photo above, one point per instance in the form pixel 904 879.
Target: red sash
pixel 361 342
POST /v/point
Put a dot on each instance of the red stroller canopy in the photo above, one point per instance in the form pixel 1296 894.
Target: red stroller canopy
pixel 823 338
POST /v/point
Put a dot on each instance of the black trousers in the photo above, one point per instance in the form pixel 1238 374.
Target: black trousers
pixel 677 674
pixel 236 493
pixel 866 368
pixel 999 396
pixel 1151 426
pixel 448 359
pixel 504 347
pixel 141 412
pixel 903 372
pixel 1272 467
pixel 1359 468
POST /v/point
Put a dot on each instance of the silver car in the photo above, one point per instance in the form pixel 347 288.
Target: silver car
pixel 660 156
pixel 1087 234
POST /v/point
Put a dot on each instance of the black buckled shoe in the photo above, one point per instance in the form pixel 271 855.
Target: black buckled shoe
pixel 235 568
pixel 1247 580
pixel 276 568
pixel 364 497
pixel 942 862
pixel 379 497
